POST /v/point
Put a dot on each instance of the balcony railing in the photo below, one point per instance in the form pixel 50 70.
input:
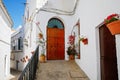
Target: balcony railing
pixel 30 70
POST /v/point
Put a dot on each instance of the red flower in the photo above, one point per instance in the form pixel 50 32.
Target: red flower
pixel 71 39
pixel 111 16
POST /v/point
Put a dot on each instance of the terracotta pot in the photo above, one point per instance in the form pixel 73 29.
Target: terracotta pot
pixel 78 56
pixel 114 27
pixel 42 59
pixel 85 41
pixel 71 57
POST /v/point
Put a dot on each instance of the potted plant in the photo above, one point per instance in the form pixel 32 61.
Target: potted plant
pixel 113 23
pixel 42 58
pixel 71 49
pixel 42 55
pixel 71 52
pixel 41 41
pixel 84 40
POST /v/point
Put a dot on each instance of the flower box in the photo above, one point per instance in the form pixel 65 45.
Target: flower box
pixel 113 23
pixel 114 27
pixel 85 41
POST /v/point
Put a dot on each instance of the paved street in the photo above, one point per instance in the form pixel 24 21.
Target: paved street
pixel 14 74
pixel 60 70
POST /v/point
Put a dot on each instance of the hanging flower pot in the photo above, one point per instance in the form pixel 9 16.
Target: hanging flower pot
pixel 113 23
pixel 85 41
pixel 114 27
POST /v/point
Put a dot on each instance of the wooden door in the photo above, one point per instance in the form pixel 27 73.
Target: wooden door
pixel 108 55
pixel 55 44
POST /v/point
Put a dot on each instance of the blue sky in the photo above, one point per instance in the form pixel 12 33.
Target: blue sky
pixel 16 11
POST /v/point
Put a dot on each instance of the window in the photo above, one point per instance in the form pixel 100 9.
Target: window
pixel 20 44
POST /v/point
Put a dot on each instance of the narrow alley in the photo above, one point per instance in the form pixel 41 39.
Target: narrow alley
pixel 60 70
pixel 14 74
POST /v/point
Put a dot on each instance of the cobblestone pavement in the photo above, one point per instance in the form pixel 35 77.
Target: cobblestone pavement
pixel 60 70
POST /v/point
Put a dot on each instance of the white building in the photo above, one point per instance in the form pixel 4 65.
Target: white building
pixel 5 38
pixel 16 47
pixel 56 21
pixel 21 42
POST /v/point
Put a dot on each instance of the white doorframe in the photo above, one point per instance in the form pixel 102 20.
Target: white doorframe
pixel 98 51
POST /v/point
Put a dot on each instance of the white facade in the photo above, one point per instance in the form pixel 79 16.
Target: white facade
pixel 91 15
pixel 5 37
pixel 33 15
pixel 29 32
pixel 16 47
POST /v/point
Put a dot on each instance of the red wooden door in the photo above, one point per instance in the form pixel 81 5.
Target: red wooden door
pixel 55 44
pixel 108 55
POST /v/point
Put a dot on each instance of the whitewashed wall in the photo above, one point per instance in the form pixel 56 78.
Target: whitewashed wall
pixel 30 36
pixel 17 55
pixel 29 30
pixel 18 33
pixel 50 10
pixel 30 27
pixel 68 21
pixel 5 34
pixel 91 14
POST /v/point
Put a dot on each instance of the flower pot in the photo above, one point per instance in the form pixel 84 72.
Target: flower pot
pixel 85 41
pixel 78 56
pixel 71 57
pixel 114 27
pixel 42 59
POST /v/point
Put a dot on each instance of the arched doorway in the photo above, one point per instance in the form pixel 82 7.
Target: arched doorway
pixel 108 58
pixel 55 39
